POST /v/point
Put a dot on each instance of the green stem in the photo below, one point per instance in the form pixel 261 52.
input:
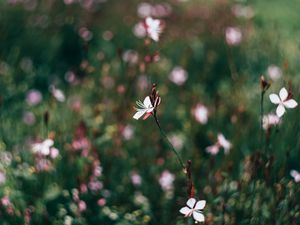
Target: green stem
pixel 170 144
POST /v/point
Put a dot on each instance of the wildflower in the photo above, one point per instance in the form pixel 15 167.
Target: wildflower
pixel 296 175
pixel 270 120
pixel 33 97
pixel 194 208
pixel 233 35
pixel 44 147
pixel 274 72
pixel 178 75
pixel 153 28
pixel 136 179
pixel 148 107
pixel 57 94
pixel 166 180
pixel 200 113
pixel 222 142
pixel 284 100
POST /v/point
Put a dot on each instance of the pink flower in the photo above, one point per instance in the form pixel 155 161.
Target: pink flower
pixel 81 206
pixel 233 35
pixel 178 75
pixel 33 97
pixel 136 178
pixel 270 120
pixel 5 201
pixel 296 175
pixel 28 118
pixel 166 180
pixel 101 202
pixel 222 142
pixel 54 153
pixel 283 101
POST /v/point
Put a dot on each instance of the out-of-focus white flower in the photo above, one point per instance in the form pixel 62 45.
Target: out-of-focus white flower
pixel 178 75
pixel 274 72
pixel 296 175
pixel 33 97
pixel 127 132
pixel 57 94
pixel 194 208
pixel 144 9
pixel 146 107
pixel 139 30
pixel 270 120
pixel 166 180
pixel 135 178
pixel 153 28
pixel 177 141
pixel 131 57
pixel 222 142
pixel 284 100
pixel 233 35
pixel 243 11
pixel 200 113
pixel 44 147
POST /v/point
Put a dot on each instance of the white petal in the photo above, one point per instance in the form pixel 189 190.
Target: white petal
pixel 274 98
pixel 185 210
pixel 191 203
pixel 139 114
pixel 200 205
pixel 48 142
pixel 280 110
pixel 147 102
pixel 283 93
pixel 291 103
pixel 198 216
pixel 45 150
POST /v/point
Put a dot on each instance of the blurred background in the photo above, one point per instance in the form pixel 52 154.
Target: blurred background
pixel 70 73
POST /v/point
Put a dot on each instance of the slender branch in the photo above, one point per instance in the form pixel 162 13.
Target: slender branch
pixel 170 144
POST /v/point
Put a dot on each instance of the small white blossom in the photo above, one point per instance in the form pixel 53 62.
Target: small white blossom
pixel 146 107
pixel 296 175
pixel 44 148
pixel 194 208
pixel 153 28
pixel 283 101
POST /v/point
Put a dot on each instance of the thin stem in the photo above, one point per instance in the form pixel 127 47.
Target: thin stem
pixel 170 144
pixel 261 117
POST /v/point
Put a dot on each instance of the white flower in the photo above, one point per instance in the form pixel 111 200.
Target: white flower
pixel 274 72
pixel 270 120
pixel 296 175
pixel 57 94
pixel 194 209
pixel 233 35
pixel 153 28
pixel 283 101
pixel 44 147
pixel 146 107
pixel 200 113
pixel 223 142
pixel 178 75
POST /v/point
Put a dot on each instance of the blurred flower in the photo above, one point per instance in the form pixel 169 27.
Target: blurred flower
pixel 274 72
pixel 81 205
pixel 101 202
pixel 296 175
pixel 233 35
pixel 127 132
pixel 146 107
pixel 85 34
pixel 57 94
pixel 33 97
pixel 83 188
pixel 95 185
pixel 144 9
pixel 44 147
pixel 2 178
pixel 194 209
pixel 166 180
pixel 222 142
pixel 135 178
pixel 200 113
pixel 243 11
pixel 139 30
pixel 178 75
pixel 284 100
pixel 28 118
pixel 54 153
pixel 161 10
pixel 176 140
pixel 5 201
pixel 270 120
pixel 153 28
pixel 131 57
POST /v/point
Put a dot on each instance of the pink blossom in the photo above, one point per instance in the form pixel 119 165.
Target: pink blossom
pixel 127 132
pixel 166 180
pixel 33 97
pixel 233 35
pixel 82 205
pixel 178 75
pixel 101 202
pixel 135 178
pixel 222 142
pixel 5 201
pixel 28 118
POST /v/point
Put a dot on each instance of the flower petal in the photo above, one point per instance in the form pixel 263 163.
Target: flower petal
pixel 283 93
pixel 291 103
pixel 147 102
pixel 139 114
pixel 274 98
pixel 185 210
pixel 191 203
pixel 48 142
pixel 146 116
pixel 280 110
pixel 200 204
pixel 198 216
